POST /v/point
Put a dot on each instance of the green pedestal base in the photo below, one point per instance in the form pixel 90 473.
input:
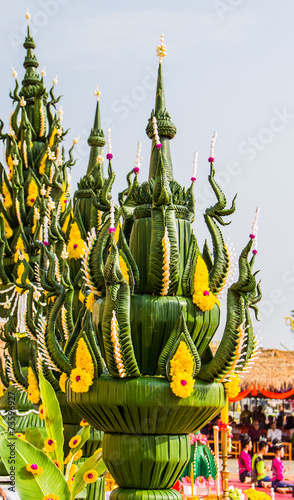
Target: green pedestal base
pixel 131 494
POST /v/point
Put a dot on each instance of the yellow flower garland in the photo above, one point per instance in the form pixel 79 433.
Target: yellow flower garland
pixel 202 296
pixel 20 248
pixel 124 269
pixel 33 388
pixel 76 246
pixel 90 301
pixel 33 192
pixel 43 164
pixel 8 230
pixel 82 376
pixel 232 387
pixel 7 197
pixel 181 371
pixel 62 381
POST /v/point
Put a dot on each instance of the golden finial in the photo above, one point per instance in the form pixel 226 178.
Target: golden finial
pixel 97 93
pixel 43 71
pixel 28 15
pixel 161 49
pixel 14 73
pixel 76 140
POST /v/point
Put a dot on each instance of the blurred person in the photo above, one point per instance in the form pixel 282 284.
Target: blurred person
pixel 245 416
pixel 254 431
pixel 280 417
pixel 274 433
pixel 279 471
pixel 269 423
pixel 259 471
pixel 244 460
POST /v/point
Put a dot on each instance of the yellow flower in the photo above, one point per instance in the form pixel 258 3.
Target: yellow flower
pixel 1 390
pixel 63 199
pixel 182 360
pixel 76 246
pixel 68 458
pixel 90 301
pixel 232 387
pixel 20 436
pixel 7 197
pixel 75 441
pixel 49 445
pixel 78 455
pixel 42 412
pixel 33 388
pixel 182 385
pixel 51 140
pixel 81 297
pixel 65 224
pixel 57 463
pixel 34 469
pixel 51 497
pixel 20 249
pixel 202 296
pixel 43 164
pixel 90 476
pixel 62 381
pixel 10 166
pixel 8 230
pixel 33 192
pixel 73 469
pixel 70 483
pixel 80 380
pixel 83 423
pixel 124 269
pixel 83 358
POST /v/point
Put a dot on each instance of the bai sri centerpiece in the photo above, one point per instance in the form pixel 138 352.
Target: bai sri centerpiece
pixel 147 377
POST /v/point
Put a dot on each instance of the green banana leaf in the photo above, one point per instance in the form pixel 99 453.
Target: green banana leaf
pixel 95 462
pixel 28 486
pixel 84 433
pixel 53 421
pixel 36 436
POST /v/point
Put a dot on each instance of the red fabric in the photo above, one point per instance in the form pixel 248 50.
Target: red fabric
pixel 177 486
pixel 268 394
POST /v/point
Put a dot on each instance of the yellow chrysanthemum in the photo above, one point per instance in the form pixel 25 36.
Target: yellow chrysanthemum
pixel 232 387
pixel 20 435
pixel 75 441
pixel 202 296
pixel 73 469
pixel 68 458
pixel 64 197
pixel 42 412
pixel 78 455
pixel 124 269
pixel 90 301
pixel 90 476
pixel 52 136
pixel 62 381
pixel 43 164
pixel 33 192
pixel 83 358
pixel 10 167
pixel 76 246
pixel 20 250
pixel 8 230
pixel 83 423
pixel 49 445
pixel 51 497
pixel 182 360
pixel 182 385
pixel 33 388
pixel 34 469
pixel 6 195
pixel 80 380
pixel 81 297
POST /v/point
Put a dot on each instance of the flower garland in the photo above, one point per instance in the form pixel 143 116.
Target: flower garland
pixel 63 199
pixel 253 494
pixel 166 263
pixel 202 296
pixel 33 388
pixel 7 197
pixel 65 224
pixel 124 269
pixel 181 371
pixel 90 301
pixel 33 193
pixel 232 387
pixel 43 164
pixel 83 375
pixel 62 381
pixel 20 250
pixel 52 136
pixel 7 228
pixel 76 246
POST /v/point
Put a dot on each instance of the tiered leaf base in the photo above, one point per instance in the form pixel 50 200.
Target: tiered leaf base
pixel 146 444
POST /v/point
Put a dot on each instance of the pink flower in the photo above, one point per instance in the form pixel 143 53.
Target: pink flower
pixel 210 482
pixel 193 438
pixel 201 438
pixel 201 482
pixel 186 481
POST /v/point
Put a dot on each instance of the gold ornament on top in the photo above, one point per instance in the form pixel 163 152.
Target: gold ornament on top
pixel 161 49
pixel 97 93
pixel 28 15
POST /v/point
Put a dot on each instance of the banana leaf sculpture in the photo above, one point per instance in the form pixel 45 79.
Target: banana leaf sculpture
pixel 142 370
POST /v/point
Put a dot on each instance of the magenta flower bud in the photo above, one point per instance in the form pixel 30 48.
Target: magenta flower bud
pixel 158 146
pixel 34 467
pixel 33 199
pixel 111 230
pixel 193 179
pixel 205 293
pixel 109 156
pixel 184 382
pixel 254 252
pixel 75 245
pixel 211 159
pixel 75 441
pixel 78 378
pixel 65 201
pixel 50 442
pixel 90 476
pixel 46 243
pixel 252 236
pixel 136 170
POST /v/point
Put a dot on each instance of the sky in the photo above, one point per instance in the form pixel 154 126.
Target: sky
pixel 229 67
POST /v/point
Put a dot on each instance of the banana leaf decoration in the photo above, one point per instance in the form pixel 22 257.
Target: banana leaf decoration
pixel 221 262
pixel 116 329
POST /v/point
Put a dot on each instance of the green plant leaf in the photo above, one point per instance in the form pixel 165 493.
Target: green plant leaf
pixel 94 462
pixel 31 487
pixel 84 433
pixel 36 436
pixel 53 420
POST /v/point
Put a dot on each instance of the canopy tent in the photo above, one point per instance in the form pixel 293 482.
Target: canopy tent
pixel 271 376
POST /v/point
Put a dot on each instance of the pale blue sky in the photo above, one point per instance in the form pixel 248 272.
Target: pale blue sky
pixel 229 68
